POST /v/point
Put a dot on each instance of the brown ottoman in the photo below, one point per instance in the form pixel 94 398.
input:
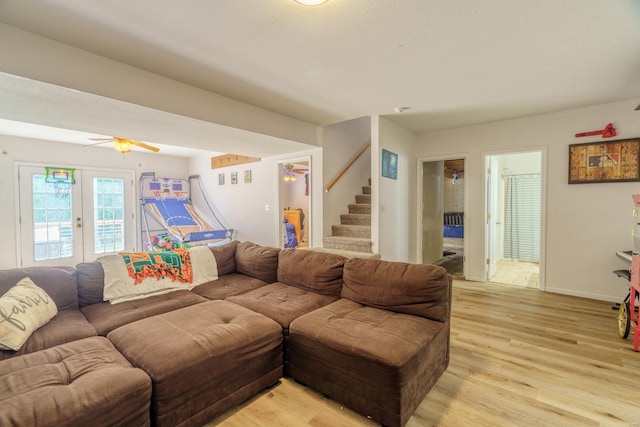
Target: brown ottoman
pixel 377 362
pixel 81 383
pixel 203 359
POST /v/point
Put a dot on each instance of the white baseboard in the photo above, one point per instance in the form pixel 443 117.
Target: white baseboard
pixel 600 297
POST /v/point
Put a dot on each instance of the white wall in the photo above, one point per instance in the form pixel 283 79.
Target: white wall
pixel 394 200
pixel 585 224
pixel 341 142
pixel 244 206
pixel 46 153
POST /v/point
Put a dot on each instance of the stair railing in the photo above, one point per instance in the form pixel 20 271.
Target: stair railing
pixel 347 167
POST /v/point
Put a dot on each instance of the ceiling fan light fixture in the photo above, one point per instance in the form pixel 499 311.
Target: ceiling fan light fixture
pixel 311 2
pixel 123 146
pixel 288 173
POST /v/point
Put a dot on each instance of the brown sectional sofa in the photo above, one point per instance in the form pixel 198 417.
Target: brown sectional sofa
pixel 373 335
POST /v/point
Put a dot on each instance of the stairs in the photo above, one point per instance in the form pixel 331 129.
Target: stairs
pixel 352 237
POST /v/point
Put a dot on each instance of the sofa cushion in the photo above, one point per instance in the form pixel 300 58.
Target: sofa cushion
pixel 280 302
pixel 66 326
pixel 81 383
pixel 311 271
pixel 58 282
pixel 420 289
pixel 23 309
pixel 225 256
pixel 257 261
pixel 90 283
pixel 228 285
pixel 105 317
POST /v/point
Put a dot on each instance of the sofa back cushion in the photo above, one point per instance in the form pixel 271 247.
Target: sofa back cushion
pixel 225 256
pixel 58 282
pixel 419 289
pixel 90 283
pixel 257 261
pixel 311 271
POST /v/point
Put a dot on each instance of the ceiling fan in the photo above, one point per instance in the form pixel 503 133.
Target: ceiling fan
pixel 123 145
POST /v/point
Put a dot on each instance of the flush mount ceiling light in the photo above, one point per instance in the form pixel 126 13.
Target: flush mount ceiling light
pixel 311 2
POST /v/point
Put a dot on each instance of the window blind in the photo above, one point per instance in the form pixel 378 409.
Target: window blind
pixel 522 217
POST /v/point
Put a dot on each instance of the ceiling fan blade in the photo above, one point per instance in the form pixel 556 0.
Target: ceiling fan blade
pixel 103 139
pixel 95 143
pixel 637 108
pixel 143 145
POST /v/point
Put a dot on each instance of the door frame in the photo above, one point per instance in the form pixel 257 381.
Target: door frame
pixel 543 205
pixel 18 199
pixel 420 202
pixel 309 214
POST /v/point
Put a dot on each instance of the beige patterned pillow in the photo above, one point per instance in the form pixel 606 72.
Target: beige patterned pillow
pixel 23 309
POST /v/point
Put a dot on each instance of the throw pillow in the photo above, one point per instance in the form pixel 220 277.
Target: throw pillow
pixel 23 309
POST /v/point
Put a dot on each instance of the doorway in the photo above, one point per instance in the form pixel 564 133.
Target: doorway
pixel 68 216
pixel 294 176
pixel 514 218
pixel 443 195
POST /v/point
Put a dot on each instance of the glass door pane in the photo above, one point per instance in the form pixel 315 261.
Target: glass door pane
pixel 108 213
pixel 50 219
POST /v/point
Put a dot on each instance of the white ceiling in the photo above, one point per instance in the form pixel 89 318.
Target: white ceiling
pixel 450 62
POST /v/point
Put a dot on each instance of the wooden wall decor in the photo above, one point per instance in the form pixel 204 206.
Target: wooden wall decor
pixel 231 160
pixel 610 161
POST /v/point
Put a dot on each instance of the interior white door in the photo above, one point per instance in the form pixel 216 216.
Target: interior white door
pixel 492 216
pixel 65 224
pixel 432 211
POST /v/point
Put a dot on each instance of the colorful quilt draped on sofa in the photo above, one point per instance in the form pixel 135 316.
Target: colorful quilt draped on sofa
pixel 175 265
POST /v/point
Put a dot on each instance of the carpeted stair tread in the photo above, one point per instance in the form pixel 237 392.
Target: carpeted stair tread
pixel 348 254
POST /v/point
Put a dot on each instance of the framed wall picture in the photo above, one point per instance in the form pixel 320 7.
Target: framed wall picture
pixel 247 176
pixel 610 161
pixel 389 164
pixel 220 179
pixel 234 177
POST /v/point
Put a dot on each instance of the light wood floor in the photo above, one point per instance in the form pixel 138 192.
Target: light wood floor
pixel 519 357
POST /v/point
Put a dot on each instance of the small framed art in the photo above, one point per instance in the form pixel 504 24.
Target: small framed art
pixel 389 164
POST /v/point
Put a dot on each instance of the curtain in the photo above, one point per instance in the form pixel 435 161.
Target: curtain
pixel 522 217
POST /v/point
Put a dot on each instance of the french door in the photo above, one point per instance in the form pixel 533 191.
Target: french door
pixel 65 224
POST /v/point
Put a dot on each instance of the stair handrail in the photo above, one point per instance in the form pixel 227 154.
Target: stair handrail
pixel 347 167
